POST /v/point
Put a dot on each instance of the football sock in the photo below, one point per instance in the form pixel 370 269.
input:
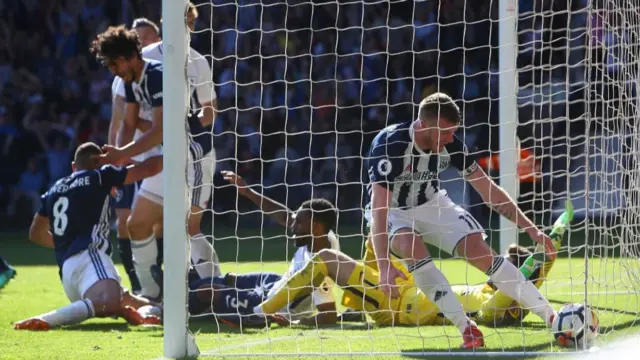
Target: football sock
pixel 436 287
pixel 507 278
pixel 300 284
pixel 145 254
pixel 204 257
pixel 160 242
pixel 124 248
pixel 73 313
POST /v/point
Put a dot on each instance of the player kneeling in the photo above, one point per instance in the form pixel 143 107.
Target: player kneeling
pixel 74 221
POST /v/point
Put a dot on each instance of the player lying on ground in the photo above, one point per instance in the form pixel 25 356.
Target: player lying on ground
pixel 312 226
pixel 119 50
pixel 406 209
pixel 361 292
pixel 74 221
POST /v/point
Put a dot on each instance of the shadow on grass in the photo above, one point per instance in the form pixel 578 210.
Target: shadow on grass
pixel 474 354
pixel 102 327
pixel 601 308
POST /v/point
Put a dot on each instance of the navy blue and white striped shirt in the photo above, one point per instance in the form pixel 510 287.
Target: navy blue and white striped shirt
pixel 148 93
pixel 411 174
pixel 78 210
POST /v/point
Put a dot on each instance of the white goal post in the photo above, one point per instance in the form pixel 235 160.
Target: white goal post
pixel 600 256
pixel 178 340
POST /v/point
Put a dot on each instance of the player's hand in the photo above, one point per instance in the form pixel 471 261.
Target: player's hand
pixel 112 155
pixel 237 180
pixel 543 239
pixel 387 280
pixel 280 320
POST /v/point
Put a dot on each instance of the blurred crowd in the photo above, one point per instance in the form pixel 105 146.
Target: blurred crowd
pixel 302 88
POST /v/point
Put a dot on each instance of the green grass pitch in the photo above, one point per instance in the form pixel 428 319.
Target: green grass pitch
pixel 37 289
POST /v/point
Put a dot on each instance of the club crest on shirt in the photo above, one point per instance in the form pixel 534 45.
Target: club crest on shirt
pixel 444 163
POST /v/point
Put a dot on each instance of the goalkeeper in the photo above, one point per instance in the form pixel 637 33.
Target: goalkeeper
pixel 359 281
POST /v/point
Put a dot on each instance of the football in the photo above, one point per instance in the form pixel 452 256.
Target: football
pixel 576 325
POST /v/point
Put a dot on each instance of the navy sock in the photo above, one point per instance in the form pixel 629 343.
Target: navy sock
pixel 160 251
pixel 124 248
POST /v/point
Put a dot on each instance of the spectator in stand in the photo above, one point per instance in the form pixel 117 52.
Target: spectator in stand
pixel 29 187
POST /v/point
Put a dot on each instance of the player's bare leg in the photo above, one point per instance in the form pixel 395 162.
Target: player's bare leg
pixel 101 300
pixel 410 247
pixel 204 257
pixel 145 213
pixel 504 275
pixel 124 247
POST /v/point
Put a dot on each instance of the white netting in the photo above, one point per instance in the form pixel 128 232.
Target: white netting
pixel 303 87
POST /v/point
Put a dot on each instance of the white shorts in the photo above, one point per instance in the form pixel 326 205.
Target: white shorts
pixel 440 222
pixel 81 271
pixel 199 178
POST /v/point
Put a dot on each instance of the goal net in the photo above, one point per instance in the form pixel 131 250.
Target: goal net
pixel 548 92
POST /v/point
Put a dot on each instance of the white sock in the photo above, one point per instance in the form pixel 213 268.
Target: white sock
pixel 258 310
pixel 73 313
pixel 204 257
pixel 507 278
pixel 437 288
pixel 145 253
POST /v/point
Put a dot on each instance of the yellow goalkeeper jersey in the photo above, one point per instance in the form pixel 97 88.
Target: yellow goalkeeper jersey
pixel 481 302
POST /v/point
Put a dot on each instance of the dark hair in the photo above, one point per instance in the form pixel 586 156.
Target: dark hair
pixel 144 22
pixel 439 105
pixel 116 42
pixel 518 254
pixel 84 157
pixel 322 211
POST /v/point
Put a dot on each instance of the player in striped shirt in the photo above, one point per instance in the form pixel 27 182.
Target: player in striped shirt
pixel 148 33
pixel 204 99
pixel 74 221
pixel 408 209
pixel 119 49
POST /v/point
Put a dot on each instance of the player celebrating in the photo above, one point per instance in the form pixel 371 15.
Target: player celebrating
pixel 119 49
pixel 312 226
pixel 74 220
pixel 148 33
pixel 407 208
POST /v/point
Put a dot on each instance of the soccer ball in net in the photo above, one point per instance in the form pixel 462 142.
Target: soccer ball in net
pixel 576 325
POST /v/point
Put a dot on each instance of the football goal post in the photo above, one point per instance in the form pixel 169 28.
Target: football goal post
pixel 548 92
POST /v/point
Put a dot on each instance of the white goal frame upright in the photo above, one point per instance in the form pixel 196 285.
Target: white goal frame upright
pixel 178 340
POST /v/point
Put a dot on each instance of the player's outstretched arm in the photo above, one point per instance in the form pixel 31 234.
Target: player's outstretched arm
pixel 117 118
pixel 278 211
pixel 39 231
pixel 128 126
pixel 502 203
pixel 380 200
pixel 149 139
pixel 145 169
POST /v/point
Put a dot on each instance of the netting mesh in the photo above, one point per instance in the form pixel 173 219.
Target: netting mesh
pixel 304 86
